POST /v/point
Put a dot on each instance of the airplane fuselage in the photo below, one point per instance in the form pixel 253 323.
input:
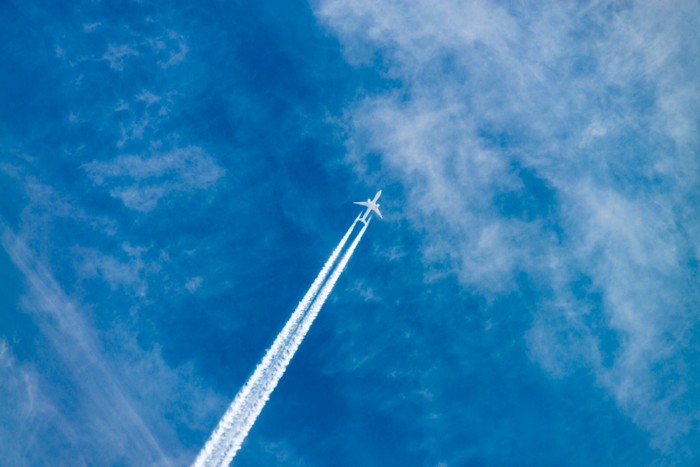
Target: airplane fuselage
pixel 372 207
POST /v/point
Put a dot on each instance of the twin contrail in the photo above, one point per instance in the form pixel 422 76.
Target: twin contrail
pixel 240 416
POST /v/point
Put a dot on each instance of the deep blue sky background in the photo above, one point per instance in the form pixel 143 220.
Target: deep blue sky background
pixel 174 175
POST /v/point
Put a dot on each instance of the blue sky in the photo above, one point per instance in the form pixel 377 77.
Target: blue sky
pixel 174 175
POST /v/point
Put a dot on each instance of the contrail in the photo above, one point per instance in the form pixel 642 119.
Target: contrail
pixel 240 416
pixel 309 317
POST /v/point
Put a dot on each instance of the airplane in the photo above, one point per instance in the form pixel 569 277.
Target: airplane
pixel 372 206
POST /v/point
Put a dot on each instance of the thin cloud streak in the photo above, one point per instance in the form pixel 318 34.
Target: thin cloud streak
pixel 111 414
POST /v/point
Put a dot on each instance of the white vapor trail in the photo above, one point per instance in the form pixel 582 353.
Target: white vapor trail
pixel 240 416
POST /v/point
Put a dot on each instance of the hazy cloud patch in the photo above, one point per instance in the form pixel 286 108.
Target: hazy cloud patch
pixel 193 284
pixel 116 55
pixel 141 182
pixel 552 143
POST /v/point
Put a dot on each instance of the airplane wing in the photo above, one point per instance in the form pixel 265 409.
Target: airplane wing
pixel 362 203
pixel 378 213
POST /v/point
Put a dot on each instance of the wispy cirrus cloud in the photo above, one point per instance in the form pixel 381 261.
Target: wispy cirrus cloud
pixel 117 272
pixel 109 413
pixel 141 182
pixel 116 55
pixel 170 48
pixel 554 142
pixel 84 400
pixel 21 401
pixel 117 376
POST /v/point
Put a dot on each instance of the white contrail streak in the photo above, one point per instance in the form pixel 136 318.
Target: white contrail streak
pixel 309 317
pixel 240 416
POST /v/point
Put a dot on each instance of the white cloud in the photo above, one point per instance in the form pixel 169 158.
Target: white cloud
pixel 96 395
pixel 193 284
pixel 173 45
pixel 116 55
pixel 91 27
pixel 112 413
pixel 123 405
pixel 19 395
pixel 587 116
pixel 148 97
pixel 92 263
pixel 141 182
